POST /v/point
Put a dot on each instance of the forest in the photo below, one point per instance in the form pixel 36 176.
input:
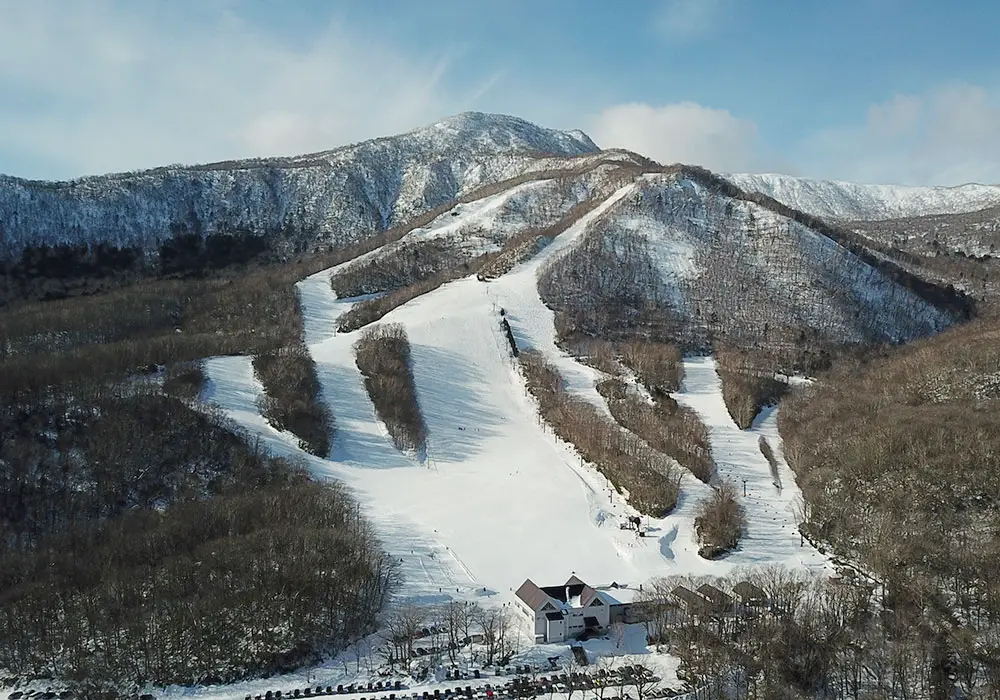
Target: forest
pixel 145 539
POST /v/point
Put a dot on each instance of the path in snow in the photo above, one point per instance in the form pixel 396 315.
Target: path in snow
pixel 429 566
pixel 499 497
pixel 772 533
pixel 533 323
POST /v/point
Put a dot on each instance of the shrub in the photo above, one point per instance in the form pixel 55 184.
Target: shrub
pixel 383 357
pixel 720 522
pixel 292 398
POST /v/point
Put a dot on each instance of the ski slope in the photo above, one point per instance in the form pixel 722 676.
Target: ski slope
pixel 499 498
pixel 771 534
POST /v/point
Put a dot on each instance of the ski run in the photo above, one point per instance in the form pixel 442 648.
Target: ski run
pixel 498 497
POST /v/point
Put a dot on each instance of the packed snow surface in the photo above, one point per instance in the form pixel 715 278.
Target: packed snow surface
pixel 848 200
pixel 498 498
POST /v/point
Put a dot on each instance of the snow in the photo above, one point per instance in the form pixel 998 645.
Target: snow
pixel 747 267
pixel 334 197
pixel 499 498
pixel 533 323
pixel 771 512
pixel 848 200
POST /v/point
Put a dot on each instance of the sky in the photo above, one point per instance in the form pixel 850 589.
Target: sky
pixel 893 91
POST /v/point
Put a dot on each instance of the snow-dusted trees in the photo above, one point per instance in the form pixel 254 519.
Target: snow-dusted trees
pixel 894 457
pixel 399 630
pixel 190 556
pixel 145 541
pixel 401 266
pixel 607 287
pixel 291 399
pixel 748 382
pixel 650 478
pixel 665 426
pixel 371 310
pixel 498 625
pixel 720 521
pixel 787 634
pixel 383 357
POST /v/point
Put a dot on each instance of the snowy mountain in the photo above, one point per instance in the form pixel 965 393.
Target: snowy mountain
pixel 500 239
pixel 731 268
pixel 684 256
pixel 975 233
pixel 847 200
pixel 494 475
pixel 334 197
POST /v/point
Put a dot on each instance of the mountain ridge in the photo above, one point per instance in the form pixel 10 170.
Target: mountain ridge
pixel 837 199
pixel 337 197
pixel 333 197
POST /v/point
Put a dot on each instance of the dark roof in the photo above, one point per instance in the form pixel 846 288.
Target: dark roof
pixel 533 596
pixel 589 621
pixel 748 591
pixel 564 593
pixel 587 596
pixel 715 595
pixel 690 597
pixel 553 616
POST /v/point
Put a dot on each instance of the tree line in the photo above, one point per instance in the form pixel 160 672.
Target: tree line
pixel 785 634
pixel 383 356
pixel 648 476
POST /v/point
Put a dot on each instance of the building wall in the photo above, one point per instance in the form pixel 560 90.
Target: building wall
pixel 574 622
pixel 540 624
pixel 623 612
pixel 557 631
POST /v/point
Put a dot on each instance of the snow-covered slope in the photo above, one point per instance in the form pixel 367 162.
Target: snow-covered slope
pixel 499 498
pixel 847 200
pixel 337 196
pixel 714 265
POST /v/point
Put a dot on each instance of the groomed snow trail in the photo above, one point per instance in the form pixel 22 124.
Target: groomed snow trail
pixel 499 498
pixel 771 535
pixel 533 323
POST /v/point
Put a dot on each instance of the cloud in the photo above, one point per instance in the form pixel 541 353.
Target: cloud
pixel 105 85
pixel 684 132
pixel 683 20
pixel 946 135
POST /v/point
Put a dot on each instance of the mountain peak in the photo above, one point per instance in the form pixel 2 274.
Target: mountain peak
pixel 506 131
